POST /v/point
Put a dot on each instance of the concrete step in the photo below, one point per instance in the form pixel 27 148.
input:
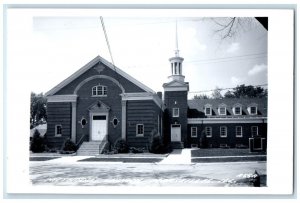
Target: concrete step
pixel 91 148
pixel 177 145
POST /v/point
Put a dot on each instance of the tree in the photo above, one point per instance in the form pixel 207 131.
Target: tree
pixel 201 96
pixel 229 94
pixel 38 109
pixel 249 91
pixel 231 26
pixel 217 93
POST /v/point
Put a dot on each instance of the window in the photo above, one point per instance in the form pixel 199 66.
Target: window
pixel 208 131
pixel 238 110
pixel 253 110
pixel 223 131
pixel 193 131
pixel 58 130
pixel 254 131
pixel 140 130
pixel 238 131
pixel 208 110
pixel 222 110
pixel 99 90
pixel 175 112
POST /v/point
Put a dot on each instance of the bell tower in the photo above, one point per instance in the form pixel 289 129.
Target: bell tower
pixel 175 98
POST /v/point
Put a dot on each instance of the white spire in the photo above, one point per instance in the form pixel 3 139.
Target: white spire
pixel 176 42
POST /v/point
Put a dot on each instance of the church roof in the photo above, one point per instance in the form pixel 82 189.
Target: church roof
pixel 91 64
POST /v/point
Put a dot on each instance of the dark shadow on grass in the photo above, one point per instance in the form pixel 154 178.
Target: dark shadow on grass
pixel 42 158
pixel 124 160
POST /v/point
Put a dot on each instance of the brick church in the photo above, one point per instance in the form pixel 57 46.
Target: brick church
pixel 100 103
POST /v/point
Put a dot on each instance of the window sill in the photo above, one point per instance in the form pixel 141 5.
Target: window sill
pixel 139 135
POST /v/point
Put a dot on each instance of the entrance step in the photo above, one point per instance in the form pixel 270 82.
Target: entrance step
pixel 91 148
pixel 177 145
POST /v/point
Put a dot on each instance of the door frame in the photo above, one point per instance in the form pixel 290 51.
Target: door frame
pixel 91 125
pixel 179 131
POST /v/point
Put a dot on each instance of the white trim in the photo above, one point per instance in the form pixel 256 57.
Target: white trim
pixel 236 135
pixel 249 110
pixel 173 113
pixel 192 131
pixel 225 112
pixel 136 130
pixel 73 127
pixel 225 127
pixel 210 111
pixel 237 106
pixel 173 89
pixel 123 122
pixel 227 120
pixel 62 98
pixel 98 77
pixel 58 135
pixel 89 65
pixel 141 96
pixel 91 124
pixel 253 130
pixel 206 131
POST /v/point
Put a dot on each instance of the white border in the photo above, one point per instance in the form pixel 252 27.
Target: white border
pixel 280 54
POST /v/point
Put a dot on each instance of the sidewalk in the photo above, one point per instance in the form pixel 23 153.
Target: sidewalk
pixel 178 156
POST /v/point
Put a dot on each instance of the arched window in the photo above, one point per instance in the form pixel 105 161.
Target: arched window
pixel 99 90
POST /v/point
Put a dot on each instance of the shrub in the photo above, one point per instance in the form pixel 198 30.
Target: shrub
pixel 121 146
pixel 156 145
pixel 136 150
pixel 69 146
pixel 37 143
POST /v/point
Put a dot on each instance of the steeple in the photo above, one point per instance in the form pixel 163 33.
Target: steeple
pixel 176 62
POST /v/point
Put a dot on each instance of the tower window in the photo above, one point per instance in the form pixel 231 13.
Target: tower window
pixel 175 112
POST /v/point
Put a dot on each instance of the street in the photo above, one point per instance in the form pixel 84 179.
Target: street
pixel 75 173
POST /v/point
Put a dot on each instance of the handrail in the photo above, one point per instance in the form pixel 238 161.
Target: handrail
pixel 80 140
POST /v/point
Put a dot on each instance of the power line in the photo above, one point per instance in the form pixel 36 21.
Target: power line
pixel 109 49
pixel 221 89
pixel 221 60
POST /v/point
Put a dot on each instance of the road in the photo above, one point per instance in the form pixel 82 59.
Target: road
pixel 144 174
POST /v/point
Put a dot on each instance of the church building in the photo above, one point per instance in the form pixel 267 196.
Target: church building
pixel 100 103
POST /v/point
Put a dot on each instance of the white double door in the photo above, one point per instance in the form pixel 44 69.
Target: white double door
pixel 99 127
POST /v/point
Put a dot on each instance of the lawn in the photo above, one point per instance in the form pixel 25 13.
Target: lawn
pixel 124 160
pixel 223 152
pixel 38 158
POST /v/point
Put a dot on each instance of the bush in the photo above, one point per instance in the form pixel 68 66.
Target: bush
pixel 157 146
pixel 136 150
pixel 69 146
pixel 121 146
pixel 37 144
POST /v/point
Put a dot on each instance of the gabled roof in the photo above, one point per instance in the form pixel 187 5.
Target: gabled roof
pixel 199 105
pixel 91 64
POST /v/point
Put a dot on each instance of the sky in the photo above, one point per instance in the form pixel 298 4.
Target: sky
pixel 50 48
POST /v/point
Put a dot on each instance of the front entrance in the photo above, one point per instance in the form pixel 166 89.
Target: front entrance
pixel 175 133
pixel 99 127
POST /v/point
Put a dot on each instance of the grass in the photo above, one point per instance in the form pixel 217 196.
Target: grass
pixel 124 160
pixel 224 152
pixel 42 158
pixel 228 159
